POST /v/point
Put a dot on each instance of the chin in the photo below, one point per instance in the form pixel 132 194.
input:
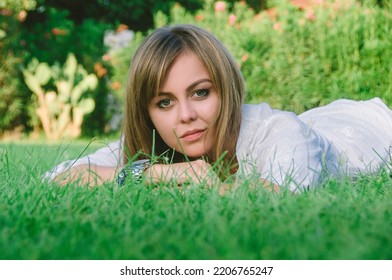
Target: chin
pixel 195 151
pixel 195 154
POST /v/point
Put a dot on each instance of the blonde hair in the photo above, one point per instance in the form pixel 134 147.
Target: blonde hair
pixel 148 71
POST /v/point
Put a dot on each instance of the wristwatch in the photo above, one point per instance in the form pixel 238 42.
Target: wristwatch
pixel 136 169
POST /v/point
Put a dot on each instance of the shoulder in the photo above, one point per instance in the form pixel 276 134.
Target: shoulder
pixel 265 130
pixel 361 117
pixel 262 118
pixel 279 145
pixel 347 107
pixel 360 130
pixel 256 111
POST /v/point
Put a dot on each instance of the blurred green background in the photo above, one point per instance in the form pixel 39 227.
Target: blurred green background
pixel 295 55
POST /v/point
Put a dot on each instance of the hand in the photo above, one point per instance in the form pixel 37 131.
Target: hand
pixel 198 171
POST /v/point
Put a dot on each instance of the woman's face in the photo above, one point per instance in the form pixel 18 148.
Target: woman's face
pixel 186 108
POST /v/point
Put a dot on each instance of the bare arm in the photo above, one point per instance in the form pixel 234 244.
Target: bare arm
pixel 93 169
pixel 87 174
pixel 199 172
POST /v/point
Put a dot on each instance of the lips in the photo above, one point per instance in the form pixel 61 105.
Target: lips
pixel 193 135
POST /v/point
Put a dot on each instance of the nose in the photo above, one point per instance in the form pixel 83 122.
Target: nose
pixel 187 111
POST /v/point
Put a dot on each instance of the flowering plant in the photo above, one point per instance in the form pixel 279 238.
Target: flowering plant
pixel 299 54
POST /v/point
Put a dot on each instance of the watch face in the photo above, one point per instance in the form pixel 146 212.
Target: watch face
pixel 138 168
pixel 121 177
pixel 135 170
pixel 143 163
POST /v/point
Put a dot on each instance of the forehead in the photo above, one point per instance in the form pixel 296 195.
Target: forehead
pixel 185 70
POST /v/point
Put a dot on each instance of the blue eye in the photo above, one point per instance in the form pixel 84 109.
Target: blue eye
pixel 201 92
pixel 164 103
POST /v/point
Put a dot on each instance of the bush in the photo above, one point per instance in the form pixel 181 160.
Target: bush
pixel 10 101
pixel 322 53
pixel 50 36
pixel 12 13
pixel 137 14
pixel 60 94
pixel 294 58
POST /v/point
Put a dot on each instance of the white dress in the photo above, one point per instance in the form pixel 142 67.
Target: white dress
pixel 342 138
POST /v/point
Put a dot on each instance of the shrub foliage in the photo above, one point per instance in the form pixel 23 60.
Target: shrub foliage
pixel 296 58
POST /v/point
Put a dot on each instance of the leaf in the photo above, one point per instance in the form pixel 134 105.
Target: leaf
pixel 63 90
pixel 88 83
pixel 92 81
pixel 86 105
pixel 52 103
pixel 70 67
pixel 43 73
pixel 2 34
pixel 32 82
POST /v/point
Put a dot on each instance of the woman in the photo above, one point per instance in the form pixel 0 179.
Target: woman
pixel 184 114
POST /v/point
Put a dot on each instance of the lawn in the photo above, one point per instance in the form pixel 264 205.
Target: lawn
pixel 39 220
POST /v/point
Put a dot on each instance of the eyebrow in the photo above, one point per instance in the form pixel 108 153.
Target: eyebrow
pixel 190 87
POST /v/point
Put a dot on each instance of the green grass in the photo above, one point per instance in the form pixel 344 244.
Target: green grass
pixel 341 220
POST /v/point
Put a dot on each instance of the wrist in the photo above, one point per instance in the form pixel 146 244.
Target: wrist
pixel 133 169
pixel 156 173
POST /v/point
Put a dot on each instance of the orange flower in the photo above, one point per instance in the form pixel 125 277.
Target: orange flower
pixel 122 27
pixel 5 12
pixel 22 16
pixel 277 26
pixel 199 17
pixel 309 15
pixel 106 57
pixel 100 69
pixel 245 57
pixel 115 85
pixel 232 19
pixel 220 6
pixel 57 31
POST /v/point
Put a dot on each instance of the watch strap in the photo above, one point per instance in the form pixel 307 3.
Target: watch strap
pixel 135 169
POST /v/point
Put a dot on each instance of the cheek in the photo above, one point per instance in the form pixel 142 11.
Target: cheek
pixel 157 121
pixel 163 125
pixel 211 111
